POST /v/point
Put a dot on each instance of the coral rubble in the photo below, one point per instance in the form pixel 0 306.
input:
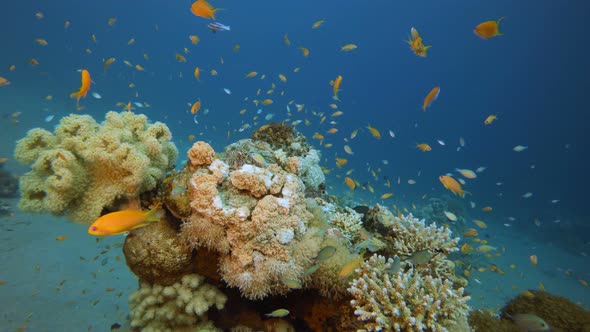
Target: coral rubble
pixel 86 167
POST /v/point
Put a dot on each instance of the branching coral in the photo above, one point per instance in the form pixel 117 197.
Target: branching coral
pixel 86 167
pixel 412 236
pixel 170 308
pixel 405 301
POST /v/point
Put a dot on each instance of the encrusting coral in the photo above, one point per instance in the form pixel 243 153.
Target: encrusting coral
pixel 184 304
pixel 390 300
pixel 86 167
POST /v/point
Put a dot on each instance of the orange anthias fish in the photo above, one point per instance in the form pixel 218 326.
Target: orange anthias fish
pixel 430 97
pixel 488 29
pixel 203 9
pixel 124 221
pixel 336 85
pixel 452 185
pixel 86 80
pixel 416 44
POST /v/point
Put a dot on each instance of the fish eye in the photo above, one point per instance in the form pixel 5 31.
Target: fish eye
pixel 93 228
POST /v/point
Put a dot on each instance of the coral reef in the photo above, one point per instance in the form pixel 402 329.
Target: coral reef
pixel 182 306
pixel 406 301
pixel 255 216
pixel 278 135
pixel 560 313
pixel 156 254
pixel 484 321
pixel 86 167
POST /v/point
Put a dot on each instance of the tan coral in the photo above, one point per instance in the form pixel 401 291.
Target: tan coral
pixel 201 154
pixel 405 301
pixel 156 254
pixel 183 305
pixel 254 179
pixel 86 168
pixel 254 217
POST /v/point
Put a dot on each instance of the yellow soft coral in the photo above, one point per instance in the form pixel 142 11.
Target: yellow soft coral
pixel 87 167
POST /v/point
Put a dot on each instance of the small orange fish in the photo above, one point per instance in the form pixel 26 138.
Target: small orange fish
pixel 374 131
pixel 180 58
pixel 61 238
pixel 350 183
pixel 194 39
pixel 472 232
pixel 488 29
pixel 304 50
pixel 487 209
pixel 336 85
pixel 415 42
pixel 349 268
pixel 41 42
pixel 491 118
pixel 86 80
pixel 4 82
pixel 124 221
pixel 466 249
pixel 202 8
pixel 424 147
pixel 196 107
pixel 430 97
pixel 534 260
pixel 452 185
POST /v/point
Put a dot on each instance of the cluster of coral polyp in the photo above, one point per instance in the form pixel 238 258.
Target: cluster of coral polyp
pixel 254 216
pixel 86 167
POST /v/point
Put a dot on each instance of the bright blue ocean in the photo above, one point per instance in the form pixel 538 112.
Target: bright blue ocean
pixel 534 77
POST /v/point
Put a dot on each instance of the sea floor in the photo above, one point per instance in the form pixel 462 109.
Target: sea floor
pixel 79 283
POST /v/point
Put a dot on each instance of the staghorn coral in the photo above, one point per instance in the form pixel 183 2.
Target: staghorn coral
pixel 411 235
pixel 348 222
pixel 405 301
pixel 182 306
pixel 85 167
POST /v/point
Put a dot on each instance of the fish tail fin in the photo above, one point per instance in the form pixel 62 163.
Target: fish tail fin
pixel 464 192
pixel 77 95
pixel 155 214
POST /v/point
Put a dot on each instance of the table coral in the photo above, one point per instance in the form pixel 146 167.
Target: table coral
pixel 86 167
pixel 405 300
pixel 170 308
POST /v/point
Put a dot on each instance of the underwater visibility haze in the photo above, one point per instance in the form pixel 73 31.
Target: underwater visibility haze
pixel 294 166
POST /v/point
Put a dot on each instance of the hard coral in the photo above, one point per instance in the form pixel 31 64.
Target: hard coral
pixel 560 313
pixel 255 217
pixel 86 167
pixel 405 301
pixel 179 307
pixel 156 254
pixel 276 134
